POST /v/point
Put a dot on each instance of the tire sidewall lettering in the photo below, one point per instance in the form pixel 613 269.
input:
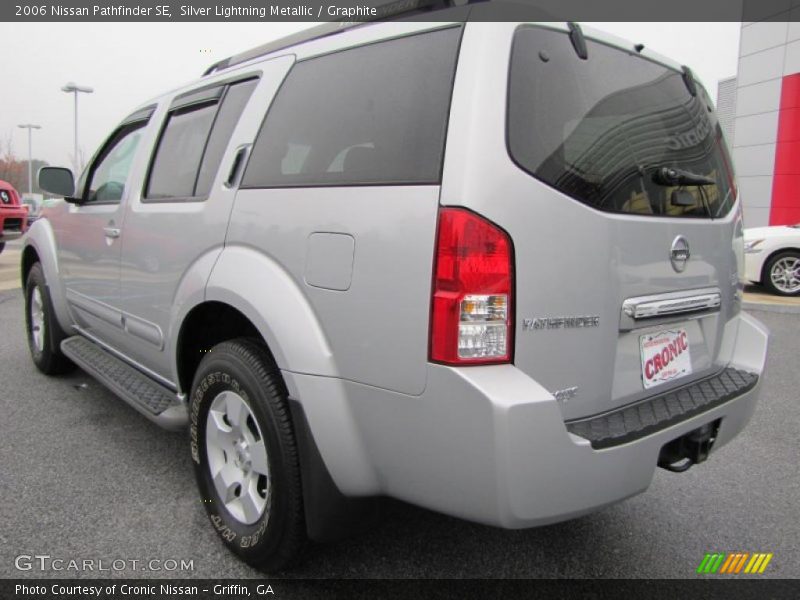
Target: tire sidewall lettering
pixel 213 383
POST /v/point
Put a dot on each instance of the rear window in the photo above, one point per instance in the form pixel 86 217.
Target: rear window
pixel 599 129
pixel 371 115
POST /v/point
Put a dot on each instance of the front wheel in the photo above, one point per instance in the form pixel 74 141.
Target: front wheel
pixel 245 454
pixel 44 332
pixel 782 273
pixel 2 247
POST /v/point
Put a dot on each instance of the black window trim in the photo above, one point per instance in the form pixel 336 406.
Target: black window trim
pixel 591 207
pixel 195 99
pixel 143 114
pixel 437 182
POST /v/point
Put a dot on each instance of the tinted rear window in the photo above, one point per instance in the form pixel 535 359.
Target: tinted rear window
pixel 371 115
pixel 598 129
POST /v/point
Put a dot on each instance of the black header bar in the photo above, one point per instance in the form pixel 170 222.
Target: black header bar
pixel 427 10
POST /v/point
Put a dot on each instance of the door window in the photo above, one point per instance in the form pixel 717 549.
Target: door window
pixel 192 144
pixel 109 173
pixel 178 155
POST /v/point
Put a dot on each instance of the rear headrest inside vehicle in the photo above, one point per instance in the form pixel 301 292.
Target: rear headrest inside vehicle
pixel 361 160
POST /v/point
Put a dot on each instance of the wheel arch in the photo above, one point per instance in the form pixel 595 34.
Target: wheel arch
pixel 204 326
pixel 40 246
pixel 259 299
pixel 267 295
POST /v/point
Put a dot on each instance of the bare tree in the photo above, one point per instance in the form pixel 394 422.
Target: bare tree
pixel 12 169
pixel 15 171
pixel 7 148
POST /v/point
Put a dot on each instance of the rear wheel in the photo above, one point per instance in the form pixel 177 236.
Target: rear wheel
pixel 2 247
pixel 44 332
pixel 782 273
pixel 245 454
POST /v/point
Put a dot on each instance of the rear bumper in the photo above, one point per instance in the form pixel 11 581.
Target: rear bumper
pixel 753 266
pixel 490 444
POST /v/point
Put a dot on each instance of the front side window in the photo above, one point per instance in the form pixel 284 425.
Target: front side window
pixel 109 173
pixel 600 129
pixel 372 115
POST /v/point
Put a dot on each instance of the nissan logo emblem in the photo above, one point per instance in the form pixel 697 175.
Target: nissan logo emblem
pixel 679 253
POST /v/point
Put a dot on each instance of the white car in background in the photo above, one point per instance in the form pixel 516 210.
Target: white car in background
pixel 772 258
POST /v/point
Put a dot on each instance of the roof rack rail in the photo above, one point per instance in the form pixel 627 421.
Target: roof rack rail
pixel 385 12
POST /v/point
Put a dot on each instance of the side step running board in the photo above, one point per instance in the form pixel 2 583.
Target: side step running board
pixel 153 400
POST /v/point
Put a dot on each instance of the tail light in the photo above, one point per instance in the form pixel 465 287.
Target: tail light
pixel 471 315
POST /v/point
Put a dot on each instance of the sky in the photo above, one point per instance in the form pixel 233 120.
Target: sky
pixel 129 63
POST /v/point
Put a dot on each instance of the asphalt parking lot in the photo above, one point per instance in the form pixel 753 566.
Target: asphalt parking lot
pixel 83 476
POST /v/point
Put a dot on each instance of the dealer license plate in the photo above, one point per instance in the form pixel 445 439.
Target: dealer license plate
pixel 665 356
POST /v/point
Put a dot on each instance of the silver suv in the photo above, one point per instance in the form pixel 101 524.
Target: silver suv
pixel 491 269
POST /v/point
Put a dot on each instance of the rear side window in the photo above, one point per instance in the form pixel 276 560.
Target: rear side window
pixel 600 129
pixel 192 143
pixel 233 104
pixel 179 152
pixel 371 115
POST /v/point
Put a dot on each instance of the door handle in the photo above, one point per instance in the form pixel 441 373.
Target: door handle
pixel 112 232
pixel 238 166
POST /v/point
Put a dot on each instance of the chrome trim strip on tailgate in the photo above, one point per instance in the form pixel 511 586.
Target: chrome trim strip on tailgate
pixel 673 303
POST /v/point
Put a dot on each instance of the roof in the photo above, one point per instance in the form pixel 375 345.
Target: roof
pixel 386 11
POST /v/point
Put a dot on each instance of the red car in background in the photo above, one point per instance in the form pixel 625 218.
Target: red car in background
pixel 13 215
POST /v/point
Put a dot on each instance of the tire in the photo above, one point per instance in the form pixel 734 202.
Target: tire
pixel 782 273
pixel 42 329
pixel 2 247
pixel 253 498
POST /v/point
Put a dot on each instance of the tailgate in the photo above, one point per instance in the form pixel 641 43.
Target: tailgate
pixel 612 178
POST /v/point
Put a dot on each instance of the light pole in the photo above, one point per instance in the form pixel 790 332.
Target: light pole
pixel 30 127
pixel 74 88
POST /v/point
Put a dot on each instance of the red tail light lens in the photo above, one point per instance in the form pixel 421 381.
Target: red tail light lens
pixel 471 317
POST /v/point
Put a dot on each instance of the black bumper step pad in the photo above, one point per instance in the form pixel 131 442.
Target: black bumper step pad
pixel 654 414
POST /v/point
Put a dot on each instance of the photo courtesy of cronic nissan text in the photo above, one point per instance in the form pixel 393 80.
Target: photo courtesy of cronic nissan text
pixel 391 298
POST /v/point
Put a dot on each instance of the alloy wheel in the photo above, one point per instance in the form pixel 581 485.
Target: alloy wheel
pixel 785 274
pixel 237 458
